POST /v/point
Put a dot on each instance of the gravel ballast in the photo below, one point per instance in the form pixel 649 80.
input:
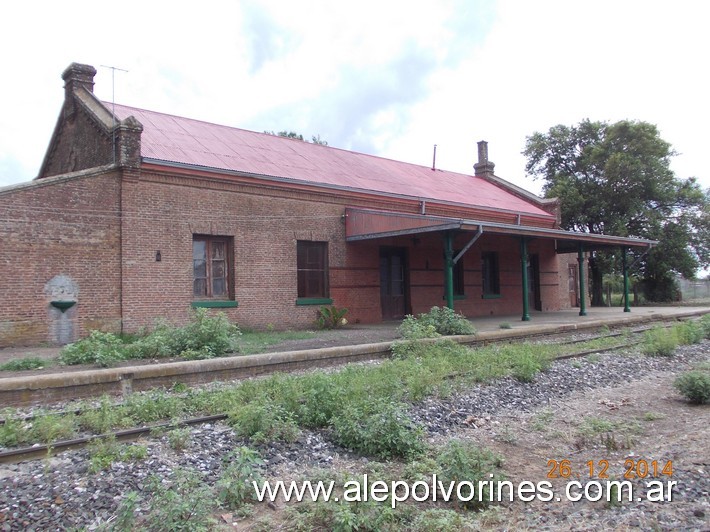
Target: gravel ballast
pixel 60 493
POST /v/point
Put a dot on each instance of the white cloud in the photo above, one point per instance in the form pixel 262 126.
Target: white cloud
pixel 391 78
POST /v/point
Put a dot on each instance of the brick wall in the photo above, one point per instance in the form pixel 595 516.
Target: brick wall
pixel 60 241
pixel 79 143
pixel 162 213
pixel 70 227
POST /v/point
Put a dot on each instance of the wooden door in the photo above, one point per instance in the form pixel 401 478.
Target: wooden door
pixel 393 283
pixel 534 297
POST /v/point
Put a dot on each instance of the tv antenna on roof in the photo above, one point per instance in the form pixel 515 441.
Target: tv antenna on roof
pixel 113 107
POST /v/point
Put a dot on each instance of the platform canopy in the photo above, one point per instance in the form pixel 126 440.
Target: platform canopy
pixel 366 224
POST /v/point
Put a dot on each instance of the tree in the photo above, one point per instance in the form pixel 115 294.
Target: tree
pixel 616 179
pixel 315 139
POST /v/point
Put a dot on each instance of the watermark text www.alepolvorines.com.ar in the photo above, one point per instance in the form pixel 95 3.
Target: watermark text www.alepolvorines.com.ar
pixel 396 491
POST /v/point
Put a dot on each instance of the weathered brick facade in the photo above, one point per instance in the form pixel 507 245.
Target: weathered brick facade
pixel 64 226
pixel 111 237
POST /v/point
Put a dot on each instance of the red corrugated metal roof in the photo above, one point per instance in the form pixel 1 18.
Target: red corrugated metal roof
pixel 182 140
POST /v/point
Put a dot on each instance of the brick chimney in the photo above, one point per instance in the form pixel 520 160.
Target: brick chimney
pixel 77 75
pixel 483 167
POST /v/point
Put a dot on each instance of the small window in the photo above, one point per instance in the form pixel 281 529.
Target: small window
pixel 491 274
pixel 458 276
pixel 211 267
pixel 312 266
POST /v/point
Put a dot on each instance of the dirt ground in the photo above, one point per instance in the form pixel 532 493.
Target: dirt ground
pixel 652 422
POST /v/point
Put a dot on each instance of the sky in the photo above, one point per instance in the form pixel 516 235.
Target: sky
pixel 388 78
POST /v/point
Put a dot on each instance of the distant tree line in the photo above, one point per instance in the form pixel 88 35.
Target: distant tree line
pixel 315 139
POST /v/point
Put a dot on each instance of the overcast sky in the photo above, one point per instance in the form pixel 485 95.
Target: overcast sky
pixel 389 78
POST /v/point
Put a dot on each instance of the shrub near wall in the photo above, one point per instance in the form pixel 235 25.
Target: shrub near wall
pixel 205 336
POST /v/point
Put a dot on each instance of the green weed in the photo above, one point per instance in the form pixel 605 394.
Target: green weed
pixel 689 332
pixel 24 364
pixel 13 431
pixel 234 487
pixel 442 520
pixel 331 317
pixel 263 422
pixel 694 386
pixel 461 461
pixel 100 348
pixel 378 428
pixel 612 435
pixel 205 336
pixel 660 342
pixel 704 323
pixel 105 451
pixel 527 365
pixel 184 502
pixel 155 406
pixel 446 321
pixel 278 405
pixel 344 516
pixel 542 419
pixel 320 399
pixel 125 516
pixel 179 438
pixel 48 428
pixel 212 333
pixel 507 435
pixel 103 418
pixel 653 416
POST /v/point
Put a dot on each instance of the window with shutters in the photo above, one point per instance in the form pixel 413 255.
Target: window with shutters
pixel 312 268
pixel 211 267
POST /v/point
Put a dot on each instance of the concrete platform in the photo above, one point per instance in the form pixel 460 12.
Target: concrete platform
pixel 69 384
pixel 609 316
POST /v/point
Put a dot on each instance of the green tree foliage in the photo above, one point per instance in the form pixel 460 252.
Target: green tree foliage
pixel 315 139
pixel 616 179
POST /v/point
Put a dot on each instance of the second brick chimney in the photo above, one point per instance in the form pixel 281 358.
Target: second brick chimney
pixel 483 167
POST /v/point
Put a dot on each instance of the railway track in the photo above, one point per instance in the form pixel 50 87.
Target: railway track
pixel 40 451
pixel 615 334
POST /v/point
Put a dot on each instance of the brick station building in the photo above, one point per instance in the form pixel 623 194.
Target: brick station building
pixel 137 215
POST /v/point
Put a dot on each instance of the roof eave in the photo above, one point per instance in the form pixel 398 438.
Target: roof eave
pixel 341 188
pixel 417 224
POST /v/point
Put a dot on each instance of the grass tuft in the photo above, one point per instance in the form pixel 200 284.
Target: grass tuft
pixel 24 364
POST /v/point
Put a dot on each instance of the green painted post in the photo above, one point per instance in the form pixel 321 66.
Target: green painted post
pixel 449 269
pixel 627 303
pixel 582 284
pixel 524 266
